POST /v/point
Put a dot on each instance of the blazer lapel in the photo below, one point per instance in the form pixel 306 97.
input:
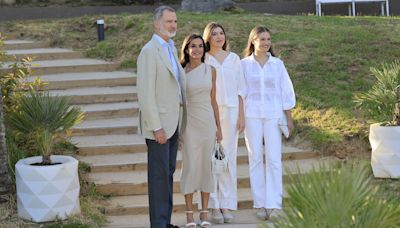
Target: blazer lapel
pixel 163 55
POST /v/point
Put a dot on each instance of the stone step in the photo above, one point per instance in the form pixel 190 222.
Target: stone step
pixel 107 110
pixel 135 182
pixel 88 145
pixel 24 44
pixel 245 218
pixel 109 144
pixel 66 66
pixel 139 204
pixel 87 79
pixel 138 161
pixel 91 95
pixel 45 53
pixel 114 126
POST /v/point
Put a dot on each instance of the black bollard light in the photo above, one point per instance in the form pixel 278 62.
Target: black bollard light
pixel 100 30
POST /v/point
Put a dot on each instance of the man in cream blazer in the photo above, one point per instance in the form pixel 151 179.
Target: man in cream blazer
pixel 161 93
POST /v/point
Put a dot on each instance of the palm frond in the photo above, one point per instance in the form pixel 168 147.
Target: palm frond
pixel 44 117
pixel 381 100
pixel 337 197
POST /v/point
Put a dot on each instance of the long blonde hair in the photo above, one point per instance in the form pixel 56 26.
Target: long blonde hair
pixel 249 50
pixel 208 32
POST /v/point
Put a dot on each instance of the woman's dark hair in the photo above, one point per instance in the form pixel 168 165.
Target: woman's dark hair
pixel 185 49
pixel 249 50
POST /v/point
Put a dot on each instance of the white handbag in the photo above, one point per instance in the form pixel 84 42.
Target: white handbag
pixel 219 161
pixel 283 125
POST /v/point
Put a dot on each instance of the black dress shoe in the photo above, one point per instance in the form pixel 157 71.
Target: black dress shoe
pixel 172 226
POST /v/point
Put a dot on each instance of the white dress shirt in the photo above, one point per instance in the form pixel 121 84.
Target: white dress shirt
pixel 168 48
pixel 269 89
pixel 229 82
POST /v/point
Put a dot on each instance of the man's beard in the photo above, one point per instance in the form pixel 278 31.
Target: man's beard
pixel 167 33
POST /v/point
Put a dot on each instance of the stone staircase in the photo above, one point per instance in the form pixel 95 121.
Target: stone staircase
pixel 108 141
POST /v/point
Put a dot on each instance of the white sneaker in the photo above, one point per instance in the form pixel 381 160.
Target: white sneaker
pixel 217 216
pixel 272 213
pixel 261 214
pixel 228 217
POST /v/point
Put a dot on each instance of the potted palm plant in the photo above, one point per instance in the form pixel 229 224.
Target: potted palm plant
pixel 382 102
pixel 47 185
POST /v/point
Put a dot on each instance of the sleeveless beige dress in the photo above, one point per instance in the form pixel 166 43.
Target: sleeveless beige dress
pixel 199 137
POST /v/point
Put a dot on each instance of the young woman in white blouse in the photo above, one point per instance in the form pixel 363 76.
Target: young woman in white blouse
pixel 269 96
pixel 230 104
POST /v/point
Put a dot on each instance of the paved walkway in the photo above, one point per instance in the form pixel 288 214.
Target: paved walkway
pixel 290 8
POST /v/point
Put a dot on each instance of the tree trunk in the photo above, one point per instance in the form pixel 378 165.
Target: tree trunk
pixel 5 180
pixel 206 5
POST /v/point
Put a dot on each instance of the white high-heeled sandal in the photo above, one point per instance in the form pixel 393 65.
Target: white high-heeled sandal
pixel 190 224
pixel 204 223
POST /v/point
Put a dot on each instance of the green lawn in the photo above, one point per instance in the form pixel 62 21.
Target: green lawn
pixel 328 59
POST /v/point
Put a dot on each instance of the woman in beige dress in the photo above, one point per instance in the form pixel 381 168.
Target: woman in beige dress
pixel 202 129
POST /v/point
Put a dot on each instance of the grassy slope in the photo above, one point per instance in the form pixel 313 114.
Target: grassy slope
pixel 328 59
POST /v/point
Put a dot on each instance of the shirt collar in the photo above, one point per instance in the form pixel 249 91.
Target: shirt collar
pixel 271 58
pixel 162 41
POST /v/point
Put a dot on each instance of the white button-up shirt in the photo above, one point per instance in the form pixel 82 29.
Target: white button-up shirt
pixel 269 89
pixel 229 82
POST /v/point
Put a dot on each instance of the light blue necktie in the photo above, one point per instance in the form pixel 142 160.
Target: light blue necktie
pixel 176 69
pixel 173 62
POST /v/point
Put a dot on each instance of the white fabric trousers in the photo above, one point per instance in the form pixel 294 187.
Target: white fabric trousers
pixel 266 183
pixel 226 194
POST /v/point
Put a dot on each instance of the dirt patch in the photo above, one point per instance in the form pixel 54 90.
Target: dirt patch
pixel 352 148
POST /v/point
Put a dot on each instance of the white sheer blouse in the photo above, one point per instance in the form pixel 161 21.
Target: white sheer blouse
pixel 229 81
pixel 269 89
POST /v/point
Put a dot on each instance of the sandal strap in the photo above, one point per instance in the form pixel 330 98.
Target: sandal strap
pixel 205 224
pixel 204 211
pixel 189 212
pixel 191 224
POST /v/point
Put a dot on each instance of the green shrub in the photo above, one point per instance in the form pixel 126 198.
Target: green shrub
pixel 382 101
pixel 15 153
pixel 338 197
pixel 43 118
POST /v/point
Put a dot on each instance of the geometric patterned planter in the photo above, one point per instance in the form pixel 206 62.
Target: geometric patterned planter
pixel 47 193
pixel 385 144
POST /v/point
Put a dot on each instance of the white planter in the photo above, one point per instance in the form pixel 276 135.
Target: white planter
pixel 47 193
pixel 385 143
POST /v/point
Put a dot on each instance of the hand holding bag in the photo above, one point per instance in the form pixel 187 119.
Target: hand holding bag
pixel 219 161
pixel 283 125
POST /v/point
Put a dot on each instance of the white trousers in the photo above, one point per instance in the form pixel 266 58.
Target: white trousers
pixel 266 183
pixel 226 194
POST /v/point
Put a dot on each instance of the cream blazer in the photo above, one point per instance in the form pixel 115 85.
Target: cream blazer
pixel 158 91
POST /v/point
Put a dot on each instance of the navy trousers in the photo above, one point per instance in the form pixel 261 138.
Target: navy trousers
pixel 161 160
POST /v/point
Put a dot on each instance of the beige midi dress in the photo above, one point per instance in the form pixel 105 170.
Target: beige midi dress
pixel 200 134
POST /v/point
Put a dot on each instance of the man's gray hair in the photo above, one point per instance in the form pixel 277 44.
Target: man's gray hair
pixel 158 13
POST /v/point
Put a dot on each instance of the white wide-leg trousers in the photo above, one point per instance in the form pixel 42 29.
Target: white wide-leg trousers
pixel 226 194
pixel 266 183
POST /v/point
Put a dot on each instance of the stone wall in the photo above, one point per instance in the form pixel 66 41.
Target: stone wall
pixel 123 2
pixel 206 5
pixel 7 2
